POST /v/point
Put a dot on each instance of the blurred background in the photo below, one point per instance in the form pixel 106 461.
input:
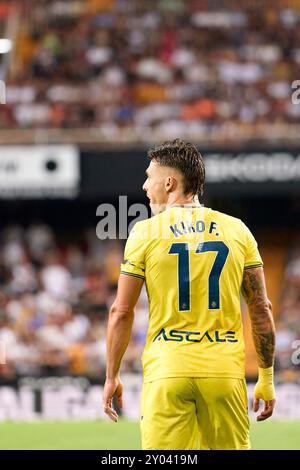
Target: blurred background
pixel 86 86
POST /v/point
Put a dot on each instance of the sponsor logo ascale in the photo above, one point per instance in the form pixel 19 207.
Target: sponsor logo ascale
pixel 196 336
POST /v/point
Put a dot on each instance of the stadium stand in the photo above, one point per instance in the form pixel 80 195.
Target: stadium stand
pixel 130 71
pixel 54 302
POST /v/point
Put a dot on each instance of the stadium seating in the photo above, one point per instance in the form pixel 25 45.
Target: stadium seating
pixel 136 69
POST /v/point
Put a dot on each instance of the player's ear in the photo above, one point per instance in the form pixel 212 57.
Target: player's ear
pixel 170 184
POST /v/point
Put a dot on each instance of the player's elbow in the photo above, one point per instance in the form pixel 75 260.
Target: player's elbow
pixel 262 306
pixel 270 305
pixel 265 307
pixel 261 314
pixel 120 312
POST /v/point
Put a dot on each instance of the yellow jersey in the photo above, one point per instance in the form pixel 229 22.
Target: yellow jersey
pixel 192 259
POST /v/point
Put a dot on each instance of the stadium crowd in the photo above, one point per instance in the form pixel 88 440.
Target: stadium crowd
pixel 54 302
pixel 177 66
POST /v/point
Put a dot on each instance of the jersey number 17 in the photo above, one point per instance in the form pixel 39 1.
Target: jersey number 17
pixel 182 250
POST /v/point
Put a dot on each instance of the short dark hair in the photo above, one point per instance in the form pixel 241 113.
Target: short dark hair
pixel 186 158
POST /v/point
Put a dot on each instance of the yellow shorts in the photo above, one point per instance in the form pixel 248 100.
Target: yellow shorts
pixel 186 413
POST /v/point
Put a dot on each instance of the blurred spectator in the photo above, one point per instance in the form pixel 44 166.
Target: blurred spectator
pixel 55 277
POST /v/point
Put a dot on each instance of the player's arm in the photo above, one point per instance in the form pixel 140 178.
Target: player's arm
pixel 119 328
pixel 263 332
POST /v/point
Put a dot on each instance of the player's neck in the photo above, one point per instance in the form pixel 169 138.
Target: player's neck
pixel 181 200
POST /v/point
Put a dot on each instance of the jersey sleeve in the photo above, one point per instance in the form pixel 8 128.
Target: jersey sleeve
pixel 134 255
pixel 252 255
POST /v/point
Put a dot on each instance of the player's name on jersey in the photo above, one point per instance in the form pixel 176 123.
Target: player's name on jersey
pixel 196 336
pixel 185 227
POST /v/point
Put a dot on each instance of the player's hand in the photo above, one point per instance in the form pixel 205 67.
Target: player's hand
pixel 268 409
pixel 264 390
pixel 112 388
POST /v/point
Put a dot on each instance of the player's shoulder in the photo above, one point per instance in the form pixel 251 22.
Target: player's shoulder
pixel 153 220
pixel 226 218
pixel 141 229
pixel 235 226
pixel 140 224
pixel 150 228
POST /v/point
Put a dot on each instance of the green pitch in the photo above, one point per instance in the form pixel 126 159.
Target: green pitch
pixel 124 435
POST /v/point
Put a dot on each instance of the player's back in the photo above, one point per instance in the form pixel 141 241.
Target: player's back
pixel 193 260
